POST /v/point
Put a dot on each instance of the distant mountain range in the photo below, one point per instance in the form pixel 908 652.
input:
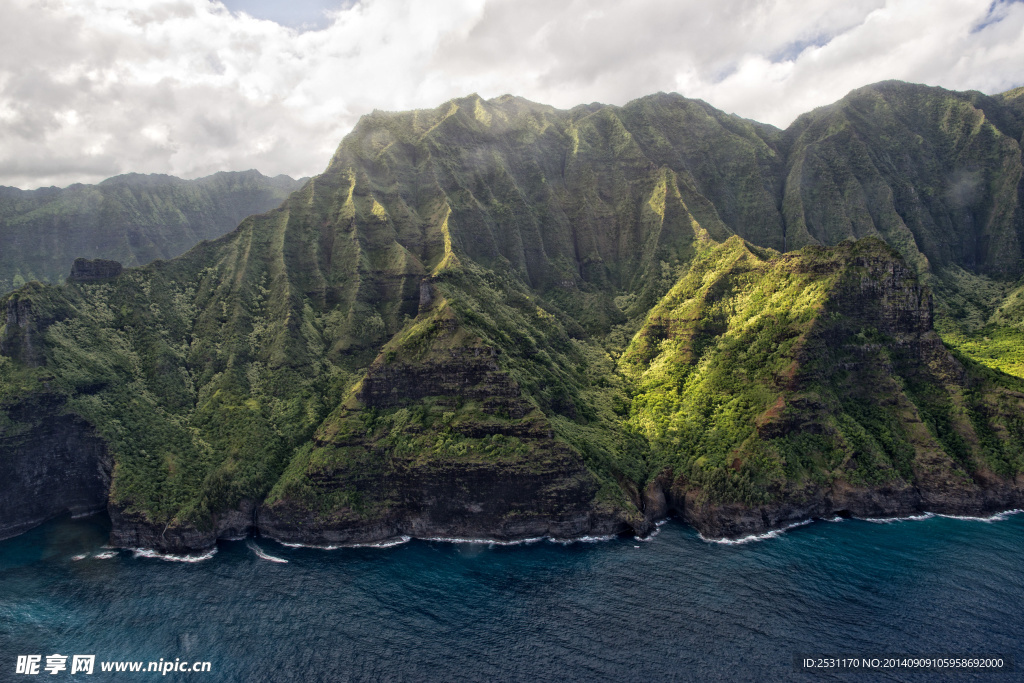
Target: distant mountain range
pixel 498 319
pixel 133 219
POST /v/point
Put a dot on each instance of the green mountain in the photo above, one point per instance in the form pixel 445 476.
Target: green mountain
pixel 133 219
pixel 498 319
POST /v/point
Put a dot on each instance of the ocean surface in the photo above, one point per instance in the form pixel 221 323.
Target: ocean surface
pixel 671 608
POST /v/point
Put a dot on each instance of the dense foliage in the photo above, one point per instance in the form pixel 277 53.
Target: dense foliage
pixel 503 284
pixel 133 219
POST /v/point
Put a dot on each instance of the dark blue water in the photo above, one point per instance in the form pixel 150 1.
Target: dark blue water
pixel 672 608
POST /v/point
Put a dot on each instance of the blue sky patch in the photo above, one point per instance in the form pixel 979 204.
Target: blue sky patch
pixel 305 15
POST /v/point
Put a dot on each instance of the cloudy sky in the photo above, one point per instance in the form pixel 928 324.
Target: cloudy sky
pixel 93 88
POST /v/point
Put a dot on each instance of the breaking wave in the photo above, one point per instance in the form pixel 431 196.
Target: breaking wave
pixel 149 552
pixel 774 533
pixel 263 555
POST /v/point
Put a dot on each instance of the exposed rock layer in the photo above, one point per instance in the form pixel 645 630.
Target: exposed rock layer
pixel 425 339
pixel 51 463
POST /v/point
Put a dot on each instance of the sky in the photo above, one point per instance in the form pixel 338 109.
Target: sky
pixel 94 88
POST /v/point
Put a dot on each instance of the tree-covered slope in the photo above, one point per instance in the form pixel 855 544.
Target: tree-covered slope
pixel 936 174
pixel 496 318
pixel 803 384
pixel 133 219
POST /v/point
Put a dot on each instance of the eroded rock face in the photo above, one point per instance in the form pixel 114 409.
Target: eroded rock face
pixel 91 270
pixel 882 296
pixel 544 491
pixel 131 530
pixel 717 520
pixel 20 333
pixel 470 373
pixel 51 464
pixel 456 501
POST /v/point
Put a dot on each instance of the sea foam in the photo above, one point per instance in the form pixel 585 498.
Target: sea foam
pixel 997 517
pixel 485 541
pixel 263 555
pixel 387 543
pixel 149 552
pixel 774 533
pixel 893 520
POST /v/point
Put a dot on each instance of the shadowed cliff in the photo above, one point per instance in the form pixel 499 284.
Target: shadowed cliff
pixel 133 219
pixel 503 320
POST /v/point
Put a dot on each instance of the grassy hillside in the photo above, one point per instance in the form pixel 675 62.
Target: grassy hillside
pixel 130 218
pixel 501 309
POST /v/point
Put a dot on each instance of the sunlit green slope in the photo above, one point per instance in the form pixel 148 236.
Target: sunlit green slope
pixel 496 317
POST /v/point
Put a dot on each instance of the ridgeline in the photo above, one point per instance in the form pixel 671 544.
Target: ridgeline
pixel 501 320
pixel 132 219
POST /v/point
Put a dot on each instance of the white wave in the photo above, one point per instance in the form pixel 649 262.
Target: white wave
pixel 311 547
pixel 264 556
pixel 386 543
pixel 650 536
pixel 106 555
pixel 78 558
pixel 997 517
pixel 149 552
pixel 390 543
pixel 485 541
pixel 834 520
pixel 774 533
pixel 893 520
pixel 583 539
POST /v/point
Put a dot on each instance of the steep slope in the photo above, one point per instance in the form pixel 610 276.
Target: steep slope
pixel 773 388
pixel 130 218
pixel 926 169
pixel 936 174
pixel 425 340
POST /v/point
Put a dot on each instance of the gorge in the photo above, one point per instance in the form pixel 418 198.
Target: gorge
pixel 496 319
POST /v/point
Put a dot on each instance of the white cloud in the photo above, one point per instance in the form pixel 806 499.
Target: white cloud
pixel 91 88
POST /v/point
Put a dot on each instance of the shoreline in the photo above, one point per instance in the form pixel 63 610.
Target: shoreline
pixel 718 524
pixel 391 542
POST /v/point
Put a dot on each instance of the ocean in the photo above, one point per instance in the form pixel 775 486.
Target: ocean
pixel 670 608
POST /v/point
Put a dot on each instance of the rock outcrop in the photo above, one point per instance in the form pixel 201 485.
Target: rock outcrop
pixel 134 530
pixel 871 353
pixel 51 463
pixel 92 270
pixel 499 319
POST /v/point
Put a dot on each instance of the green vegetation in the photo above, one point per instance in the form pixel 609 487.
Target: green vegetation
pixel 593 298
pixel 130 218
pixel 998 347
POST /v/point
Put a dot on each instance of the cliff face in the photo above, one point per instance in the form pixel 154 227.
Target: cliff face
pixel 499 319
pixel 25 323
pixel 131 218
pixel 848 403
pixel 85 270
pixel 438 439
pixel 133 530
pixel 20 332
pixel 51 463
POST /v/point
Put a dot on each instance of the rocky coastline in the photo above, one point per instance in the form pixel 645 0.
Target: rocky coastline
pixel 713 522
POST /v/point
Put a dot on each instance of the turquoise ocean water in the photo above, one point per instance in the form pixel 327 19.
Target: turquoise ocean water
pixel 673 607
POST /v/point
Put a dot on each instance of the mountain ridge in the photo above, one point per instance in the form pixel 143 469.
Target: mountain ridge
pixel 453 331
pixel 132 218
